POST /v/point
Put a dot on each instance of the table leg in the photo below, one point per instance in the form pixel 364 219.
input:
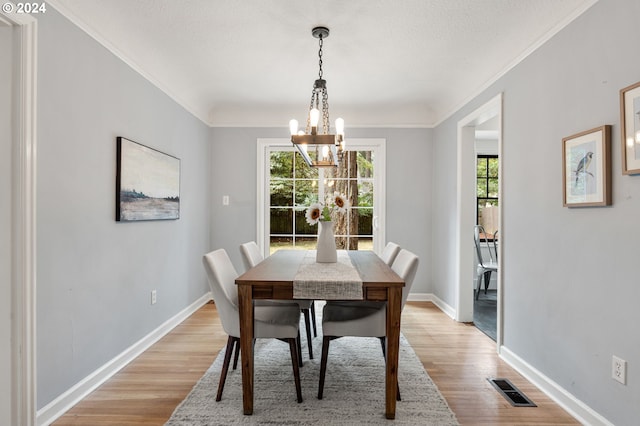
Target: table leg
pixel 245 306
pixel 394 307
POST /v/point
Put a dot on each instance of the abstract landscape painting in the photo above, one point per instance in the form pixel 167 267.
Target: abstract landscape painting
pixel 147 183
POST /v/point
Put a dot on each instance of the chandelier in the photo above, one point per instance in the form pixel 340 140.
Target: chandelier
pixel 317 146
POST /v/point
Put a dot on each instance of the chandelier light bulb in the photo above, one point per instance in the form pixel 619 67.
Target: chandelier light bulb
pixel 340 126
pixel 325 151
pixel 293 126
pixel 314 117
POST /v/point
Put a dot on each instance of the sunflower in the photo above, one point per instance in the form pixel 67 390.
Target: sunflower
pixel 313 213
pixel 340 202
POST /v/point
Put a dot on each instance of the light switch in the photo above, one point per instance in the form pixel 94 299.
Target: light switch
pixel 225 200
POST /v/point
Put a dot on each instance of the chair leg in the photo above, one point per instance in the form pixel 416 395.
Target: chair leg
pixel 225 365
pixel 308 327
pixel 479 278
pixel 383 343
pixel 299 349
pixel 323 364
pixel 313 318
pixel 236 355
pixel 487 280
pixel 293 348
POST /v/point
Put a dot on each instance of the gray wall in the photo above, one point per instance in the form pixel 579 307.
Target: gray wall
pixel 94 275
pixel 409 184
pixel 570 275
pixel 6 79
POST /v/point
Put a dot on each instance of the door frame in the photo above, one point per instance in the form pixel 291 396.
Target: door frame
pixel 465 216
pixel 378 145
pixel 23 202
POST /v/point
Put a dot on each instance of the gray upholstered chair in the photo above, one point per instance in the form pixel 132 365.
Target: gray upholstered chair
pixel 363 319
pixel 390 252
pixel 251 256
pixel 485 266
pixel 279 322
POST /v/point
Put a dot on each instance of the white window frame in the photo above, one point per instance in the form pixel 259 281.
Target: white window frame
pixel 377 145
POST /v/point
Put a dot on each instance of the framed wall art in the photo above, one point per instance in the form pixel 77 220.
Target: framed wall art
pixel 147 183
pixel 586 168
pixel 630 121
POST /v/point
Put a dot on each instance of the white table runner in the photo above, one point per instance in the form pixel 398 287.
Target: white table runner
pixel 329 281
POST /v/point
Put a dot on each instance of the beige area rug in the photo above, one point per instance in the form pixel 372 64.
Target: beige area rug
pixel 353 392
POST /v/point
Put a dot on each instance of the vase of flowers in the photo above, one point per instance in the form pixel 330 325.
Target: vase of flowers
pixel 318 212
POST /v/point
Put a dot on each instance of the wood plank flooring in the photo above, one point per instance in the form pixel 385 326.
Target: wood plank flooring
pixel 457 356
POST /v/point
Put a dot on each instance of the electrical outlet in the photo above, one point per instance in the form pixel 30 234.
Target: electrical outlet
pixel 619 370
pixel 153 297
pixel 225 200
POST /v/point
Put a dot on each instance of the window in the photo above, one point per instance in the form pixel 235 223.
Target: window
pixel 290 186
pixel 487 192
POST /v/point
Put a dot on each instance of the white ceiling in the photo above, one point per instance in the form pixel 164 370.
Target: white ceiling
pixel 386 62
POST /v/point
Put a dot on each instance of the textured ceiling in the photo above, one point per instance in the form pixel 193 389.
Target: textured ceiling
pixel 386 62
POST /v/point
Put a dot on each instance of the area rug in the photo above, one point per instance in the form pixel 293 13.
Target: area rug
pixel 353 392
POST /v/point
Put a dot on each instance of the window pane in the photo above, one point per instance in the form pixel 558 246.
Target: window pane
pixel 302 227
pixel 365 243
pixel 482 167
pixel 482 188
pixel 365 221
pixel 281 164
pixel 281 191
pixel 277 243
pixel 493 167
pixel 365 164
pixel 302 170
pixel 281 221
pixel 493 187
pixel 365 194
pixel 305 243
pixel 306 192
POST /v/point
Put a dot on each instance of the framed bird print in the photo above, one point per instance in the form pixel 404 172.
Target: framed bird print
pixel 586 168
pixel 630 120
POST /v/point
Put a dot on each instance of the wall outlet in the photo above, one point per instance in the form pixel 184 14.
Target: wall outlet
pixel 619 370
pixel 225 200
pixel 153 297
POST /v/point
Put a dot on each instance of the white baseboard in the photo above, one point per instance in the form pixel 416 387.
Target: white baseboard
pixel 56 408
pixel 578 409
pixel 430 297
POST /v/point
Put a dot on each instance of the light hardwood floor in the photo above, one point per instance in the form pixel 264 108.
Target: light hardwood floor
pixel 457 356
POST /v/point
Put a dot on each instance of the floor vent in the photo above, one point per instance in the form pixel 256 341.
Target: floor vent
pixel 511 393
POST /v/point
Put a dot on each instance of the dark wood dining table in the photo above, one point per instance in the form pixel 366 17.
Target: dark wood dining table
pixel 274 277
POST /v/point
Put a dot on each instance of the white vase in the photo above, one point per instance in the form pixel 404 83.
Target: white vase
pixel 326 248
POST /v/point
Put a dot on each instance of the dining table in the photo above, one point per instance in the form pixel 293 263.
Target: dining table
pixel 289 274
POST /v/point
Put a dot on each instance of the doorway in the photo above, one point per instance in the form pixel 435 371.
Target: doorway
pixel 466 208
pixel 487 165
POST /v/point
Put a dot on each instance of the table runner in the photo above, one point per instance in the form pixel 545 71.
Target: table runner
pixel 328 281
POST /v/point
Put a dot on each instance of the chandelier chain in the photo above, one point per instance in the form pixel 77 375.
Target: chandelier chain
pixel 320 57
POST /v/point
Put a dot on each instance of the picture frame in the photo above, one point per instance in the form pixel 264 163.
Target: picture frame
pixel 630 125
pixel 586 168
pixel 147 183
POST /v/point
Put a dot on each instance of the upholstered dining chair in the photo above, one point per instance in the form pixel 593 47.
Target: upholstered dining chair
pixel 363 319
pixel 390 252
pixel 485 266
pixel 251 256
pixel 278 322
